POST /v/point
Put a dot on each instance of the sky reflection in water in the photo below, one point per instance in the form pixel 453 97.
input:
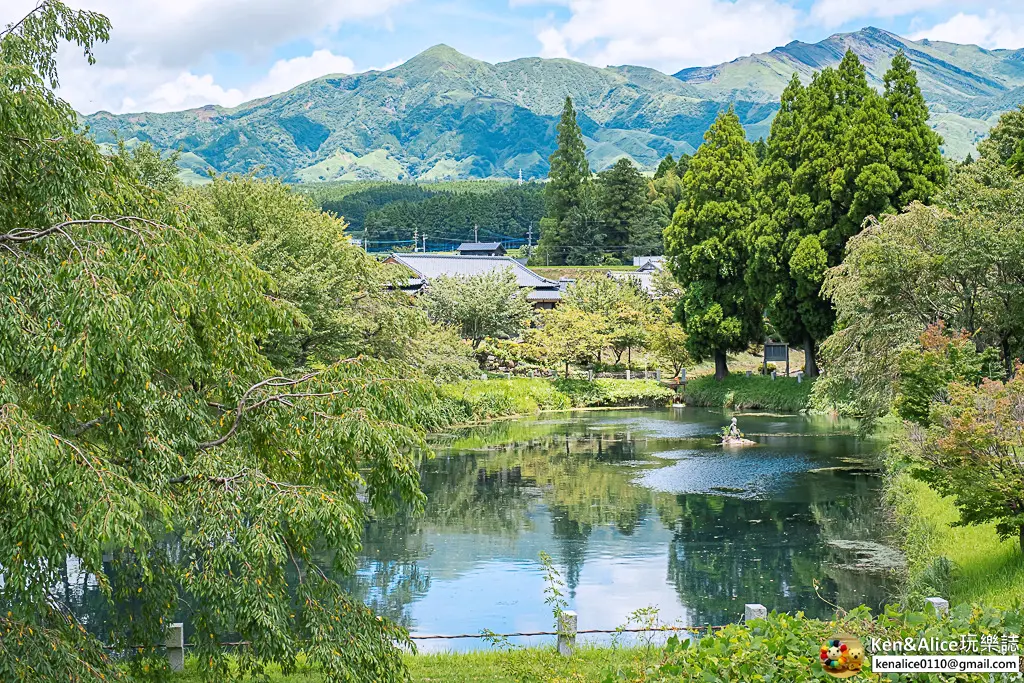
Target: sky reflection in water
pixel 637 508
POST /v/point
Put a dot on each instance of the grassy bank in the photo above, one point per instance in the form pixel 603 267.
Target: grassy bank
pixel 965 564
pixel 781 647
pixel 484 399
pixel 784 394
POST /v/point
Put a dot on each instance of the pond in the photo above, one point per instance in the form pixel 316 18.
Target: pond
pixel 637 509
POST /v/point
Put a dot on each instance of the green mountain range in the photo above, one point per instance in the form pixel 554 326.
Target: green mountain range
pixel 443 115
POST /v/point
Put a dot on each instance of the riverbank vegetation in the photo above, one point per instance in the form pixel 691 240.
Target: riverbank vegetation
pixel 783 394
pixel 477 400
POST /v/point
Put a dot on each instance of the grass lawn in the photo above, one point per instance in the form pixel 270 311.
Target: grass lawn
pixel 493 666
pixel 985 569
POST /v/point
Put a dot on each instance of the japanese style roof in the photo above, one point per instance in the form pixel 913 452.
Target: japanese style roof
pixel 480 246
pixel 429 266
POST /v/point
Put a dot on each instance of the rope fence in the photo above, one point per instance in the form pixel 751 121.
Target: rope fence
pixel 175 644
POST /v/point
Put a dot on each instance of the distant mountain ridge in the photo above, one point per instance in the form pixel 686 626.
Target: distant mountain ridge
pixel 444 115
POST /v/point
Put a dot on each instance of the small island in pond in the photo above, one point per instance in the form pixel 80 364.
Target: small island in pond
pixel 733 437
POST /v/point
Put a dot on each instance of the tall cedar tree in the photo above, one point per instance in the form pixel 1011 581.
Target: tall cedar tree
pixel 621 195
pixel 568 175
pixel 771 248
pixel 915 155
pixel 838 153
pixel 706 243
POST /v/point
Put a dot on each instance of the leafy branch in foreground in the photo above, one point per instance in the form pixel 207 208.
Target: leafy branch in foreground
pixel 146 439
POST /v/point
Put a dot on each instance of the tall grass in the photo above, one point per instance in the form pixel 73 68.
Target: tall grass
pixel 783 394
pixel 965 564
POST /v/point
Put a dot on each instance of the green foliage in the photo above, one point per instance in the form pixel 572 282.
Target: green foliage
pixel 1003 140
pixel 570 170
pixel 509 210
pixel 972 452
pixel 621 192
pixel 838 153
pixel 960 264
pixel 783 647
pixel 668 342
pixel 614 392
pixel 486 305
pixel 477 400
pixel 707 248
pixel 142 420
pixel 940 360
pixel 568 335
pixel 344 304
pixel 915 154
pixel 784 394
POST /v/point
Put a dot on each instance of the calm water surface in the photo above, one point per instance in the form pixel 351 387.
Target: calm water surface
pixel 637 509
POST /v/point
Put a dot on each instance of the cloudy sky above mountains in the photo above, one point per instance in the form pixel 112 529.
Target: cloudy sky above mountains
pixel 166 55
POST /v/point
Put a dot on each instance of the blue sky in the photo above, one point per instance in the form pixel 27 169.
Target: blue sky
pixel 167 55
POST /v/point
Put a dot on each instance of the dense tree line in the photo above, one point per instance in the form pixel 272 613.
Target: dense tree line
pixel 757 231
pixel 509 211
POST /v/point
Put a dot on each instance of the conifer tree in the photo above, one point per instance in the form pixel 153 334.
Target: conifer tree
pixel 621 191
pixel 706 243
pixel 665 165
pixel 568 174
pixel 775 232
pixel 915 153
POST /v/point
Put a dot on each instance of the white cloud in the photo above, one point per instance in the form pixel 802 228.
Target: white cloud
pixel 668 34
pixel 833 13
pixel 157 48
pixel 993 30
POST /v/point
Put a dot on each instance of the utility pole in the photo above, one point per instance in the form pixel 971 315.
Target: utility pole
pixel 476 234
pixel 529 240
pixel 416 239
pixel 424 244
pixel 520 176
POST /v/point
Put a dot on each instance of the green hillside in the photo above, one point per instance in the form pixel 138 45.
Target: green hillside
pixel 443 115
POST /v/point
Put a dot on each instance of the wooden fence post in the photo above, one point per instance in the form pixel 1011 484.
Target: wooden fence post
pixel 175 644
pixel 567 633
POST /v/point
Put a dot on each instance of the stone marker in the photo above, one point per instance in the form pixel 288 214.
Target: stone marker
pixel 175 644
pixel 566 633
pixel 941 605
pixel 754 611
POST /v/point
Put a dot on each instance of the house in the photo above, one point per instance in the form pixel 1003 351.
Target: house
pixel 424 267
pixel 647 266
pixel 648 263
pixel 481 249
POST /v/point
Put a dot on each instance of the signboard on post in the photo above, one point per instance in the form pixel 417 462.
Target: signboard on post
pixel 775 353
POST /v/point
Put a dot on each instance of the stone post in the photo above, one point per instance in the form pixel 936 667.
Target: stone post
pixel 175 645
pixel 941 605
pixel 773 375
pixel 567 633
pixel 627 374
pixel 657 374
pixel 754 611
pixel 749 373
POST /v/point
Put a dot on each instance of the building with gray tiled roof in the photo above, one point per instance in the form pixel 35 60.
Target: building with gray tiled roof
pixel 544 293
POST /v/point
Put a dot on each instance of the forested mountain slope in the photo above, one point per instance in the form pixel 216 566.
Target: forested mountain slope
pixel 445 115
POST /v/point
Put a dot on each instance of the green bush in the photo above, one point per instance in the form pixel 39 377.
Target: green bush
pixel 784 647
pixel 784 394
pixel 614 392
pixel 476 400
